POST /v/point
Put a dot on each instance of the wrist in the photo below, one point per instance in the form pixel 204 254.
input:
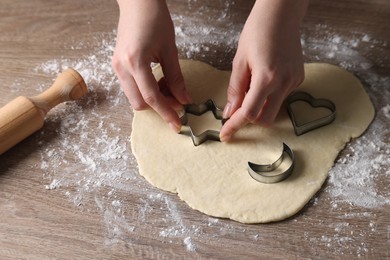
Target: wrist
pixel 154 4
pixel 286 13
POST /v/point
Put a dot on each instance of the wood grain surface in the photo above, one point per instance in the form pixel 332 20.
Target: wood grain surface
pixel 72 190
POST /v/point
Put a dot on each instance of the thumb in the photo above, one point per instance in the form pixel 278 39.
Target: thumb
pixel 238 86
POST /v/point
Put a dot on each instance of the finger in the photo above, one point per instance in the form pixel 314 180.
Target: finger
pixel 133 94
pixel 274 101
pixel 238 85
pixel 174 78
pixel 153 97
pixel 270 110
pixel 260 88
pixel 252 104
pixel 130 88
pixel 172 101
pixel 236 122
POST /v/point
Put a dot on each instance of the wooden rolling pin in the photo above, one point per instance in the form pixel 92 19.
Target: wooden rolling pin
pixel 25 115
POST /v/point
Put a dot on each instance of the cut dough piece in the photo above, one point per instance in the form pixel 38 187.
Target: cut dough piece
pixel 213 177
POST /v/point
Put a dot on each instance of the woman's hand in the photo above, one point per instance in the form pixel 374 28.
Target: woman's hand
pixel 268 64
pixel 145 35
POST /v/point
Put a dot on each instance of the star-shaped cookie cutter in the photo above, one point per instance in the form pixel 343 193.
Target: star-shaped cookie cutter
pixel 263 172
pixel 197 110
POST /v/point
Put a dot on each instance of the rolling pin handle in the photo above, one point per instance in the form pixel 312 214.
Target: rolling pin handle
pixel 69 85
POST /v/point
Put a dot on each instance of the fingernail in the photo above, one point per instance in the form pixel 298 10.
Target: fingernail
pixel 174 127
pixel 181 112
pixel 226 111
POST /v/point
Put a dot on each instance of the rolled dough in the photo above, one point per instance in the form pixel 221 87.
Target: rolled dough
pixel 213 177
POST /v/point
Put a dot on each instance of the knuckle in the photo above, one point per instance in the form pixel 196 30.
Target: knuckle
pixel 233 91
pixel 133 60
pixel 115 62
pixel 249 114
pixel 117 65
pixel 265 80
pixel 134 55
pixel 238 61
pixel 150 98
pixel 269 77
pixel 139 105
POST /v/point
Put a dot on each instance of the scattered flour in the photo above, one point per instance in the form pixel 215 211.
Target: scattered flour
pixel 197 39
pixel 95 159
pixel 355 176
pixel 53 185
pixel 189 245
pixel 386 111
pixel 355 179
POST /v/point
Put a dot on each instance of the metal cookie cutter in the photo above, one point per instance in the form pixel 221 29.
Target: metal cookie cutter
pixel 197 110
pixel 263 172
pixel 314 102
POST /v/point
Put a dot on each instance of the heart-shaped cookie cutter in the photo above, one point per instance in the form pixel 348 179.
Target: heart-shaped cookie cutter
pixel 197 110
pixel 262 172
pixel 314 102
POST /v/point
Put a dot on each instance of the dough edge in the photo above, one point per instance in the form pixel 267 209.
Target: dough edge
pixel 253 216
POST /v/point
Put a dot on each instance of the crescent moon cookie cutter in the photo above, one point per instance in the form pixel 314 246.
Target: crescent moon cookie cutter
pixel 263 172
pixel 314 102
pixel 198 110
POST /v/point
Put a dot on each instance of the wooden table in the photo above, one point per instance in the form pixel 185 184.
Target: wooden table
pixel 72 190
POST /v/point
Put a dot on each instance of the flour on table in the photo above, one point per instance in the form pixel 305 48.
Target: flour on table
pixel 53 185
pixel 114 175
pixel 386 111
